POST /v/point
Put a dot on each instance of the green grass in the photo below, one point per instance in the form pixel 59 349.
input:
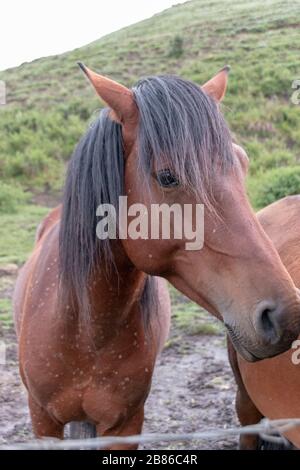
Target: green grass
pixel 6 313
pixel 50 101
pixel 275 184
pixel 190 318
pixel 11 197
pixel 17 233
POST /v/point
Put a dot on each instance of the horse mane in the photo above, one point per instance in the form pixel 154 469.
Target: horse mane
pixel 180 127
pixel 95 176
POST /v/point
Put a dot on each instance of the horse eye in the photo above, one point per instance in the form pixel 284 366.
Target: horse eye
pixel 167 179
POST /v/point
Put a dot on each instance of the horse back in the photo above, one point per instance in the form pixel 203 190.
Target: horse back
pixel 281 222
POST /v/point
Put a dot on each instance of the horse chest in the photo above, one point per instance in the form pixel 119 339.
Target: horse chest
pixel 102 395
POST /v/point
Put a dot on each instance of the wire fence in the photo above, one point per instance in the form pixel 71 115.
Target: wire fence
pixel 269 430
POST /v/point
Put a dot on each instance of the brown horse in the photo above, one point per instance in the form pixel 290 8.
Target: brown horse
pixel 271 388
pixel 90 321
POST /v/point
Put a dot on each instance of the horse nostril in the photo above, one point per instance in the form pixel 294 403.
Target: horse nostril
pixel 266 320
pixel 268 324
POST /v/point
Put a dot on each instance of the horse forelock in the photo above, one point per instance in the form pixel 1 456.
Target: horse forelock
pixel 182 127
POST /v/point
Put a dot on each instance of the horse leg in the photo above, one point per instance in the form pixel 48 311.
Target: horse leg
pixel 246 410
pixel 248 414
pixel 43 425
pixel 131 427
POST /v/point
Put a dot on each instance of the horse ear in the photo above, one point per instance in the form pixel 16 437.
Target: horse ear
pixel 216 86
pixel 116 96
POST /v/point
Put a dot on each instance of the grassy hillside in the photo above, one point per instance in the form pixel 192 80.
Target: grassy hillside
pixel 50 102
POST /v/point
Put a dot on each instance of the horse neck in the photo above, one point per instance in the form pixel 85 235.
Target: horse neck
pixel 115 296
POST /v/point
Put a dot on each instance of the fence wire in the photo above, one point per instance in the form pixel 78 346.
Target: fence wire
pixel 269 430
